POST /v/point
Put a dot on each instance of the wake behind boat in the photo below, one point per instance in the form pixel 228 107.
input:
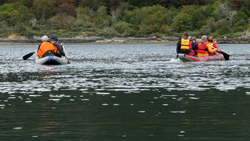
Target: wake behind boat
pixel 189 58
pixel 51 60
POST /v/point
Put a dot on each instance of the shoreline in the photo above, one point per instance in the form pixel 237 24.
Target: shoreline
pixel 126 40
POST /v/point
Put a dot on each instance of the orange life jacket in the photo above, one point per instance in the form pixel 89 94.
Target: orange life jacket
pixel 44 47
pixel 212 45
pixel 201 48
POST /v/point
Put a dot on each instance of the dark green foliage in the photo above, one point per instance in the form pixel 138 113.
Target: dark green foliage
pixel 28 34
pixel 182 22
pixel 241 16
pixel 239 29
pixel 245 10
pixel 123 17
pixel 3 2
pixel 224 30
pixel 241 23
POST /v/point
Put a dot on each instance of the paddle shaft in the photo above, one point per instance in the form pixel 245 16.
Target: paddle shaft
pixel 25 57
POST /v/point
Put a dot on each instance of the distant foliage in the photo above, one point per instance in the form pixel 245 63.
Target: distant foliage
pixel 124 17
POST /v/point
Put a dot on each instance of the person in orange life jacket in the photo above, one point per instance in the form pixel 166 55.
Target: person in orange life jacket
pixel 201 50
pixel 183 45
pixel 46 48
pixel 54 41
pixel 211 45
pixel 204 38
pixel 193 46
pixel 205 49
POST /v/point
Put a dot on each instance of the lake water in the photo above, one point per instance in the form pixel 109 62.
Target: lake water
pixel 124 92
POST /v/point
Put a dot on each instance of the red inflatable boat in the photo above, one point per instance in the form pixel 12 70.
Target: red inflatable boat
pixel 188 58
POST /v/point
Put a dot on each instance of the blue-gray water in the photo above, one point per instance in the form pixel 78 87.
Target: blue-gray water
pixel 124 92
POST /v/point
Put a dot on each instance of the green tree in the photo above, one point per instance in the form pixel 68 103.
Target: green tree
pixel 3 2
pixel 111 4
pixel 247 3
pixel 68 8
pixel 240 16
pixel 44 9
pixel 199 18
pixel 92 4
pixel 245 10
pixel 61 21
pixel 14 13
pixel 182 22
pixel 27 3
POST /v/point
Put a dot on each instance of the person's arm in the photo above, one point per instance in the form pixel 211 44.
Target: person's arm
pixel 60 49
pixel 38 47
pixel 211 49
pixel 178 47
pixel 216 46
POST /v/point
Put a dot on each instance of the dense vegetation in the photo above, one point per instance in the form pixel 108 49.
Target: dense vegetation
pixel 123 18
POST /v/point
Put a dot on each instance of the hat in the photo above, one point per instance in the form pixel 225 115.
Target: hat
pixel 45 38
pixel 53 37
pixel 210 38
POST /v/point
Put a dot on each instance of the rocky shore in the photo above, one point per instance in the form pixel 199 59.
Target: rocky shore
pixel 126 40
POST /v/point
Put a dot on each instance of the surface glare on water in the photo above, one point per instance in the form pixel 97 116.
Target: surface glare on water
pixel 124 92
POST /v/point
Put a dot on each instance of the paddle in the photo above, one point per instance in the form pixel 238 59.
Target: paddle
pixel 225 55
pixel 25 57
pixel 64 52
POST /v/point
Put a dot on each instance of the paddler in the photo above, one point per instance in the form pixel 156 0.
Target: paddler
pixel 205 47
pixel 193 46
pixel 183 45
pixel 54 41
pixel 46 48
pixel 211 45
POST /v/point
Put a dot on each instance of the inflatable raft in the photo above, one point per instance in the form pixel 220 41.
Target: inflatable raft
pixel 188 58
pixel 52 60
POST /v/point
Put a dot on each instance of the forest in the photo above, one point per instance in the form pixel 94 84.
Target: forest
pixel 124 18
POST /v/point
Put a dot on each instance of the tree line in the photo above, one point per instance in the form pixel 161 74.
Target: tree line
pixel 123 18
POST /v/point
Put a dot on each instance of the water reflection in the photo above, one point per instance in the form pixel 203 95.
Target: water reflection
pixel 124 92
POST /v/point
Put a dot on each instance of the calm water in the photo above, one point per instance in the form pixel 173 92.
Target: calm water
pixel 124 92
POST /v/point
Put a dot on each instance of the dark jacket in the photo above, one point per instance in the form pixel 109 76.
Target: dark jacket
pixel 194 45
pixel 54 40
pixel 178 49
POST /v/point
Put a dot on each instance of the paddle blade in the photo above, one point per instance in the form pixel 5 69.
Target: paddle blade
pixel 25 57
pixel 226 56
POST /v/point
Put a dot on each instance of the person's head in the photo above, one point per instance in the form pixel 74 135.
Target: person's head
pixel 193 38
pixel 210 38
pixel 204 37
pixel 53 37
pixel 185 35
pixel 45 38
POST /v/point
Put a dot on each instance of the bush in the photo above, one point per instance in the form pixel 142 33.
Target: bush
pixel 182 22
pixel 61 21
pixel 238 29
pixel 28 34
pixel 21 28
pixel 108 32
pixel 224 31
pixel 120 27
pixel 158 35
